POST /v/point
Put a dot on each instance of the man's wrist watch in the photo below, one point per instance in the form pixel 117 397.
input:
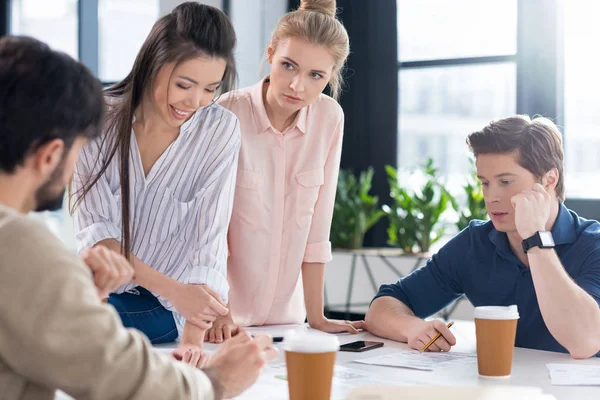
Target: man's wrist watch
pixel 541 239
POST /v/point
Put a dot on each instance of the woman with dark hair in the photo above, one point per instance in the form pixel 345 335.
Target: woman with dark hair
pixel 159 184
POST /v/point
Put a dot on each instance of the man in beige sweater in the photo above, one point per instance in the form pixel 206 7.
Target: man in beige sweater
pixel 55 333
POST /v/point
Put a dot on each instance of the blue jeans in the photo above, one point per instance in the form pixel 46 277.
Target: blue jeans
pixel 144 312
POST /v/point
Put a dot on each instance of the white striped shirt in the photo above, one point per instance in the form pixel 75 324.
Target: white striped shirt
pixel 180 211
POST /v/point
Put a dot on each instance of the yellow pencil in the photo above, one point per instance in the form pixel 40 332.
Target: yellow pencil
pixel 436 337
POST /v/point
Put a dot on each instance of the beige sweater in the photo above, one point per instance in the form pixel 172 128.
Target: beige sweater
pixel 56 334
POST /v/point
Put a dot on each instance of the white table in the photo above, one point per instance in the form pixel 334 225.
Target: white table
pixel 529 366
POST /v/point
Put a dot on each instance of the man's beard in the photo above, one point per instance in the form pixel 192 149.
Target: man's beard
pixel 46 197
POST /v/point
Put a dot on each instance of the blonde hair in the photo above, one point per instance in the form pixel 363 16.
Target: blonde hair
pixel 315 22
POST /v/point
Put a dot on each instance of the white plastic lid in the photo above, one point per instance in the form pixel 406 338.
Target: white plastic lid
pixel 310 342
pixel 497 312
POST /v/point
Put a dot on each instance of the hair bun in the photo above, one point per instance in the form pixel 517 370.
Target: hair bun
pixel 326 7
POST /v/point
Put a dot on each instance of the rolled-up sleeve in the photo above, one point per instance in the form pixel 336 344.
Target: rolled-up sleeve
pixel 318 248
pixel 98 215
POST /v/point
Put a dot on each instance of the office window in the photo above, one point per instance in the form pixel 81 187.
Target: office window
pixel 439 107
pixel 437 29
pixel 582 104
pixel 457 72
pixel 123 26
pixel 54 22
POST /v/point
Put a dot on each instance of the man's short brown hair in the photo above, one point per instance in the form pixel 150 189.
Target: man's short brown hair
pixel 537 144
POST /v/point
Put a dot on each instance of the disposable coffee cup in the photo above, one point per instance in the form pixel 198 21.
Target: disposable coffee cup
pixel 496 329
pixel 310 359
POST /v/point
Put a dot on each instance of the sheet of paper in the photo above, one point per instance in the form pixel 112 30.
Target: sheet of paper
pixel 272 383
pixel 448 393
pixel 427 361
pixel 346 379
pixel 574 374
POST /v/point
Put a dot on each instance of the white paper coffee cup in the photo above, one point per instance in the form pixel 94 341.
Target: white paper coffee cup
pixel 310 361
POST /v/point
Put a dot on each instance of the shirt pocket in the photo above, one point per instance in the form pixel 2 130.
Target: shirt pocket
pixel 247 205
pixel 172 216
pixel 309 184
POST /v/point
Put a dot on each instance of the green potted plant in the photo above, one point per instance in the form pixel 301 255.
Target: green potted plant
pixel 355 210
pixel 415 214
pixel 475 204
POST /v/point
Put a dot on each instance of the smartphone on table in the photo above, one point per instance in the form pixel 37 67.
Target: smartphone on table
pixel 360 346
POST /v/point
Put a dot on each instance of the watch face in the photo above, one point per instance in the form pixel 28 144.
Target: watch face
pixel 547 239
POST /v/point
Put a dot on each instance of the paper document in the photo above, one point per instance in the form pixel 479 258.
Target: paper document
pixel 448 393
pixel 427 361
pixel 574 374
pixel 272 384
pixel 346 379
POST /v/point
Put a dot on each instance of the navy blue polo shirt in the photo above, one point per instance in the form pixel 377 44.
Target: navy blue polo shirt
pixel 480 264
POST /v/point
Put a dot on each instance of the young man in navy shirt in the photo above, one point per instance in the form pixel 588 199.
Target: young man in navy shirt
pixel 534 252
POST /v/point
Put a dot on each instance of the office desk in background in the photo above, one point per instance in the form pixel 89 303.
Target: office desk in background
pixel 529 367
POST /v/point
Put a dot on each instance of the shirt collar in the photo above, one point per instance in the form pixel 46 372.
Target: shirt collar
pixel 563 231
pixel 260 112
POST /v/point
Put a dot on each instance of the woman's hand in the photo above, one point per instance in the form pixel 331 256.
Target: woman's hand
pixel 192 355
pixel 198 304
pixel 222 329
pixel 337 326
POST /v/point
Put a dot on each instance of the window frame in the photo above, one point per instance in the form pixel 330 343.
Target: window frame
pixel 450 63
pixel 87 30
pixel 540 30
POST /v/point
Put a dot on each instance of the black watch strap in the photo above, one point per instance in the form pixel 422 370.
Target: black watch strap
pixel 541 239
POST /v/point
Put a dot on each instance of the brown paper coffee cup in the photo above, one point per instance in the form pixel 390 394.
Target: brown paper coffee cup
pixel 495 328
pixel 310 361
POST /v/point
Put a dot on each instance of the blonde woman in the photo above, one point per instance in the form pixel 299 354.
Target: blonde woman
pixel 286 179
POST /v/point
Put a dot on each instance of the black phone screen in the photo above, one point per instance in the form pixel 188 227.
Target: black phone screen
pixel 360 345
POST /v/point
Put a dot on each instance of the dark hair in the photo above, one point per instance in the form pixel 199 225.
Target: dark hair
pixel 44 95
pixel 537 143
pixel 191 30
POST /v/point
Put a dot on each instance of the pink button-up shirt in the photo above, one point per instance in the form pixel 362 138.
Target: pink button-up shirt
pixel 284 196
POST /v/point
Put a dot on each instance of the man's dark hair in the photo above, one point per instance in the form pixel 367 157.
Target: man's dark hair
pixel 44 95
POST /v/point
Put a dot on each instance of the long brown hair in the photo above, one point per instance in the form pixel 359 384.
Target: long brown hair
pixel 191 30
